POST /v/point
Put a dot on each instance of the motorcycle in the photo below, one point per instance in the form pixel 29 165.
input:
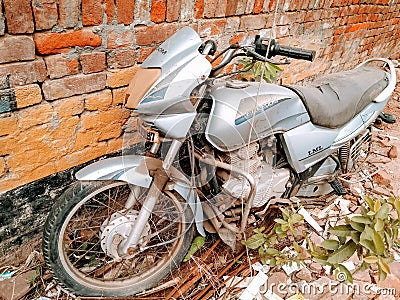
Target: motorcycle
pixel 216 148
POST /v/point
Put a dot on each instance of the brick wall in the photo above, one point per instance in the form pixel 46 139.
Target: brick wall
pixel 65 64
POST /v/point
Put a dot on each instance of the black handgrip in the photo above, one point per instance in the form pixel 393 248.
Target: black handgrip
pixel 292 52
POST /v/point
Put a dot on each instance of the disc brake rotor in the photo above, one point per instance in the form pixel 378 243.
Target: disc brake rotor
pixel 116 229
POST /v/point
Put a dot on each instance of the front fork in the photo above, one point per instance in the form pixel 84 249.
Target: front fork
pixel 156 188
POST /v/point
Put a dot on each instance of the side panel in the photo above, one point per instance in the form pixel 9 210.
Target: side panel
pixel 242 115
pixel 308 144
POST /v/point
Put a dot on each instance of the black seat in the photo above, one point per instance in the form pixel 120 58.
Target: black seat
pixel 335 99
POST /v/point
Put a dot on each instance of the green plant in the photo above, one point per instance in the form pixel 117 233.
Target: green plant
pixel 373 235
pixel 267 243
pixel 260 70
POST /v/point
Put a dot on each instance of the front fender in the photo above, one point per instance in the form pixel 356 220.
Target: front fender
pixel 134 169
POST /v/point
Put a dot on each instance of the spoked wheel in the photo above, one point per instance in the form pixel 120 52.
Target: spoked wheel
pixel 88 223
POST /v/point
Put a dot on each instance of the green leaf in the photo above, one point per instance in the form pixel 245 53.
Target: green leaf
pixel 259 230
pixel 371 259
pixel 197 243
pixel 272 262
pixel 377 205
pixel 346 271
pixel 357 226
pixel 296 218
pixel 255 241
pixel 361 219
pixel 330 244
pixel 285 212
pixel 397 207
pixel 280 221
pixel 384 266
pixel 355 236
pixel 383 212
pixel 343 253
pixel 296 247
pixel 382 275
pixel 272 251
pixel 378 243
pixel 379 225
pixel 341 230
pixel 368 244
pixel 370 202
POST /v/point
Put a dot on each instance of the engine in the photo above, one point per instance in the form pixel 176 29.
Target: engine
pixel 270 181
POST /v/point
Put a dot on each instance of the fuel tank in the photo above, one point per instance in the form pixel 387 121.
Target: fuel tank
pixel 244 112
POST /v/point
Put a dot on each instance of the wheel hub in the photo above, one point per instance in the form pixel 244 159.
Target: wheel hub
pixel 116 229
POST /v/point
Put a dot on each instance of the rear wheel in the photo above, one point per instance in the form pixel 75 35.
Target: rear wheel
pixel 85 227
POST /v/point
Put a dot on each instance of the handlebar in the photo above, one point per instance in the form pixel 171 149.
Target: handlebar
pixel 276 49
pixel 262 51
pixel 292 52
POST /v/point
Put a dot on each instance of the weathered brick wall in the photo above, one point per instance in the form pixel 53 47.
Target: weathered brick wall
pixel 65 64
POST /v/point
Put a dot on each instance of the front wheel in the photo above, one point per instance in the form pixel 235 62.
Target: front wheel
pixel 89 221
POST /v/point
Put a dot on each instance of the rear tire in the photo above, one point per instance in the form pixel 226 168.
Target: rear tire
pixel 74 230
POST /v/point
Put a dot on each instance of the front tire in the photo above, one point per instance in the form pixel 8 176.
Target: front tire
pixel 76 228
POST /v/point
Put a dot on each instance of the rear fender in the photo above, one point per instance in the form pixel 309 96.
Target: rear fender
pixel 134 169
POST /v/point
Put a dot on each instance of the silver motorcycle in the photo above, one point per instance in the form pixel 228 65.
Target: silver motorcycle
pixel 215 149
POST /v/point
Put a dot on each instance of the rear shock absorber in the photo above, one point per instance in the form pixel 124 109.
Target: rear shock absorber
pixel 344 152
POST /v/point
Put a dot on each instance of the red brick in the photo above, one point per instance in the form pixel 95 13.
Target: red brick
pixel 120 38
pixel 118 95
pixel 121 58
pixel 158 10
pixel 357 27
pixel 45 12
pixel 93 62
pixel 125 11
pixel 173 10
pixel 35 115
pixel 272 5
pixel 210 8
pixel 110 10
pixel 154 34
pixel 199 9
pixel 28 95
pixel 8 125
pixel 3 167
pixel 52 42
pixel 212 27
pixel 24 73
pixel 59 66
pixel 19 16
pixel 122 77
pixel 73 85
pixel 92 12
pixel 16 48
pixel 144 52
pixel 252 22
pixel 98 101
pixel 67 107
pixel 220 10
pixel 68 13
pixel 258 5
pixel 231 8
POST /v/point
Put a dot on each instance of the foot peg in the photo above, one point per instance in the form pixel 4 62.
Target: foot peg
pixel 387 118
pixel 337 187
